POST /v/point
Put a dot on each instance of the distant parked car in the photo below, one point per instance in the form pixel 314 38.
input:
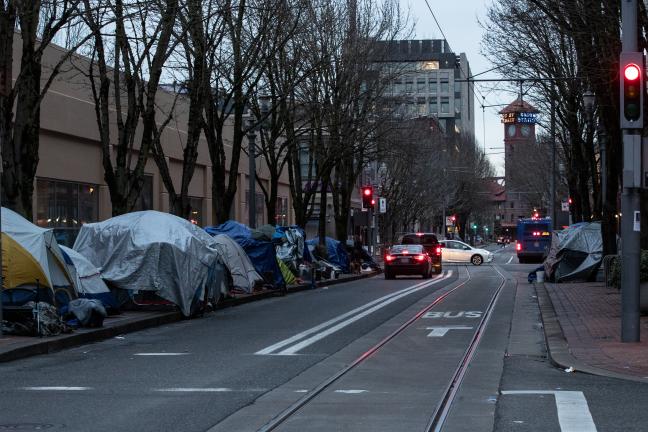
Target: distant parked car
pixel 407 260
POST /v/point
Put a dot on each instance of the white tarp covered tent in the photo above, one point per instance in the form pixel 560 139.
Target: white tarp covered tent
pixel 244 276
pixel 87 278
pixel 31 253
pixel 154 251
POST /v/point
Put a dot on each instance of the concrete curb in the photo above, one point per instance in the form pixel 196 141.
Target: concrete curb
pixel 557 346
pixel 58 343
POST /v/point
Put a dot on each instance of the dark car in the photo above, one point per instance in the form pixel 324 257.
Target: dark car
pixel 407 260
pixel 430 245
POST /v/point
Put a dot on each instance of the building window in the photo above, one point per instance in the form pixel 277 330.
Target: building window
pixel 457 105
pixel 421 107
pixel 196 211
pixel 444 75
pixel 145 199
pixel 445 86
pixel 512 218
pixel 282 211
pixel 409 85
pixel 512 204
pixel 398 86
pixel 457 87
pixel 420 85
pixel 434 106
pixel 445 105
pixel 65 206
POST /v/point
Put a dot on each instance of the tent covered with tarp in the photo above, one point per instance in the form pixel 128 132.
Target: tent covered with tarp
pixel 576 253
pixel 87 277
pixel 261 252
pixel 337 253
pixel 157 252
pixel 243 274
pixel 30 257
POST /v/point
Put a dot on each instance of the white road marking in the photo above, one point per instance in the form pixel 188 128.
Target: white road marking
pixel 311 340
pixel 351 391
pixel 442 331
pixel 161 354
pixel 57 388
pixel 460 314
pixel 510 259
pixel 301 391
pixel 205 390
pixel 573 412
pixel 272 348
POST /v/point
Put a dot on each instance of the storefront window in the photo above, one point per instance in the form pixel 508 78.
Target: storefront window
pixel 65 206
pixel 282 211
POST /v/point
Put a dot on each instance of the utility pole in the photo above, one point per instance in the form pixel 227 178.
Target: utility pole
pixel 252 178
pixel 552 204
pixel 632 72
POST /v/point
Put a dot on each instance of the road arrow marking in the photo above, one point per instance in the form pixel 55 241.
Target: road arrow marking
pixel 441 331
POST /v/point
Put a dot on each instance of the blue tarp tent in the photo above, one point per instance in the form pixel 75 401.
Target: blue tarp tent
pixel 261 253
pixel 337 253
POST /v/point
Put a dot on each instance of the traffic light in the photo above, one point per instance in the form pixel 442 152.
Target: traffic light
pixel 632 88
pixel 367 197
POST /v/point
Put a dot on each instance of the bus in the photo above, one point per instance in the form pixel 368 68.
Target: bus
pixel 533 239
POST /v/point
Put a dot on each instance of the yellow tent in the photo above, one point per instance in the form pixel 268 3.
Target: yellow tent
pixel 19 267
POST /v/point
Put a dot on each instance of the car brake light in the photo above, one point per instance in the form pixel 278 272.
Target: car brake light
pixel 419 257
pixel 419 234
pixel 518 246
pixel 438 250
pixel 405 252
pixel 389 258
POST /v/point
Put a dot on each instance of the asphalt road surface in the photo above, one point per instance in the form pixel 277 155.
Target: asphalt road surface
pixel 241 367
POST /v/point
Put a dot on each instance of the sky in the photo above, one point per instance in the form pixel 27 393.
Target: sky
pixel 459 22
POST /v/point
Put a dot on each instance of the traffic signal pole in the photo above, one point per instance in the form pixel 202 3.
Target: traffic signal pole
pixel 630 202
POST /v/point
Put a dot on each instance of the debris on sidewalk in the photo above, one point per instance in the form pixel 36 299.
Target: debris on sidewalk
pixel 570 369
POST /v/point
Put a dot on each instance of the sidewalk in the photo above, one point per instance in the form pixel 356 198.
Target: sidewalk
pixel 582 323
pixel 17 347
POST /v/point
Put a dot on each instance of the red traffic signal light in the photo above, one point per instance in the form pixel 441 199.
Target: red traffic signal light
pixel 367 197
pixel 632 75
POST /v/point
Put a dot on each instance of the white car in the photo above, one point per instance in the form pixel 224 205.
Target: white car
pixel 456 251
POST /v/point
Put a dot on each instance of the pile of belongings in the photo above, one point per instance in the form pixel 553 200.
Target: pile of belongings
pixel 40 319
pixel 336 259
pixel 576 253
pixel 158 253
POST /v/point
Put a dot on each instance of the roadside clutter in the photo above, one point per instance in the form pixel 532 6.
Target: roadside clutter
pixel 143 269
pixel 580 303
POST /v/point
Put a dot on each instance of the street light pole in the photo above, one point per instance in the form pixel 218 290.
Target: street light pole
pixel 552 204
pixel 252 178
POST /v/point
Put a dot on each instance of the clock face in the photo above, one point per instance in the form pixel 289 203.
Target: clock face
pixel 526 131
pixel 511 130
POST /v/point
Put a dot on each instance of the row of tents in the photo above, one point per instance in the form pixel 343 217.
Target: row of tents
pixel 151 253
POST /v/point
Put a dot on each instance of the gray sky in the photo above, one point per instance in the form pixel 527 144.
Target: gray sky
pixel 458 20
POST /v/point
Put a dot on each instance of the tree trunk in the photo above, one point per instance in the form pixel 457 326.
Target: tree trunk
pixel 321 227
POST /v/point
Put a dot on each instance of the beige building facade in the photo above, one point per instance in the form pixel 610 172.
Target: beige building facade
pixel 69 188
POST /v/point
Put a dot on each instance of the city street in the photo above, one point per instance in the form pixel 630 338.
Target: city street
pixel 370 355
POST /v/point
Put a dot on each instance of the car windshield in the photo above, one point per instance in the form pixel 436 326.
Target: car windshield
pixel 398 249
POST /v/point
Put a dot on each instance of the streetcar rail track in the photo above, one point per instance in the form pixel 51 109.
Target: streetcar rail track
pixel 443 408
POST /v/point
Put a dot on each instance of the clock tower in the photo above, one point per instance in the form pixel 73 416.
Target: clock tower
pixel 519 119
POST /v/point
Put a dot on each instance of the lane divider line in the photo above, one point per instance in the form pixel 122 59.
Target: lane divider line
pixel 272 348
pixel 311 340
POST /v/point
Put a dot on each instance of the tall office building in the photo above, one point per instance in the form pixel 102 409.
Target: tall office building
pixel 425 81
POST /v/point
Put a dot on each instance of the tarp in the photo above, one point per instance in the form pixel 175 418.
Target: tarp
pixel 153 251
pixel 88 279
pixel 261 253
pixel 244 276
pixel 290 245
pixel 576 253
pixel 337 253
pixel 31 253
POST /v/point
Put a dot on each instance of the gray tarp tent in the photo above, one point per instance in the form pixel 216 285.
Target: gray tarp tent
pixel 244 276
pixel 154 251
pixel 576 253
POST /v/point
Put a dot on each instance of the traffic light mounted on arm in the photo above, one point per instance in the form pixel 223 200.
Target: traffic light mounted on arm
pixel 632 77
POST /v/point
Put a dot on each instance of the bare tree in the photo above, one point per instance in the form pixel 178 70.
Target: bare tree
pixel 127 59
pixel 36 24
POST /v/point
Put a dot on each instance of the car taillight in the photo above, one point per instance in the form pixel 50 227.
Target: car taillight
pixel 389 258
pixel 405 252
pixel 518 246
pixel 419 257
pixel 438 251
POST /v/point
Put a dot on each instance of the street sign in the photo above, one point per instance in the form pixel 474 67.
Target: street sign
pixel 382 205
pixel 565 206
pixel 449 221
